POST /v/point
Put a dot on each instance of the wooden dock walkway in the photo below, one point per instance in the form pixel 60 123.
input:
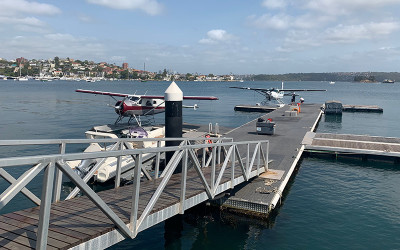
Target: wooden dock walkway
pixel 353 144
pixel 79 224
pixel 77 221
pixel 263 193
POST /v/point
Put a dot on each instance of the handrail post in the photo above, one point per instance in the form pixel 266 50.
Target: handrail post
pixel 258 158
pixel 118 173
pixel 135 196
pixel 45 205
pixel 158 157
pixel 219 152
pixel 183 182
pixel 267 153
pixel 214 156
pixel 58 179
pixel 203 160
pixel 248 159
pixel 233 167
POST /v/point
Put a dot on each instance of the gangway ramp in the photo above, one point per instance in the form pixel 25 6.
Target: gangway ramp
pixel 99 220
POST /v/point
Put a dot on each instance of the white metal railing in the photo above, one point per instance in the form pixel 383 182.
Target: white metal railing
pixel 222 152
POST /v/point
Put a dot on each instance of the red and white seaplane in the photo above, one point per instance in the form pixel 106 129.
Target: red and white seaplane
pixel 134 106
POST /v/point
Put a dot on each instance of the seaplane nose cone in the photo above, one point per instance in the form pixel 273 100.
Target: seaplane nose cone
pixel 119 108
pixel 173 93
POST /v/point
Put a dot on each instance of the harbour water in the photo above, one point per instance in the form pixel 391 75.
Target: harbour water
pixel 330 203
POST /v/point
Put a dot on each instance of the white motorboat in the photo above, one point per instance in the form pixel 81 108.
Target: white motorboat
pixel 22 79
pixel 107 169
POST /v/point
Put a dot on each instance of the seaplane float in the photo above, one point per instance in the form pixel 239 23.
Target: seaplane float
pixel 108 167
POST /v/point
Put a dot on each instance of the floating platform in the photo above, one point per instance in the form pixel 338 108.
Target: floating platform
pixel 249 108
pixel 352 144
pixel 260 196
pixel 362 108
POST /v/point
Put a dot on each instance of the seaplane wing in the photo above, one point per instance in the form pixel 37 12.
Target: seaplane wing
pixel 248 88
pixel 101 93
pixel 275 93
pixel 300 90
pixel 278 90
pixel 143 96
pixel 134 106
pixel 213 98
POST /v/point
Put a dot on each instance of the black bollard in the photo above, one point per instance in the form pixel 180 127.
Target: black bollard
pixel 173 119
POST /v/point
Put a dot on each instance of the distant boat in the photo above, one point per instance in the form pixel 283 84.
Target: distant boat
pixel 388 81
pixel 331 82
pixel 22 78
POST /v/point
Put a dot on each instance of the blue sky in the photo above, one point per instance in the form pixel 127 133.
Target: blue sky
pixel 219 37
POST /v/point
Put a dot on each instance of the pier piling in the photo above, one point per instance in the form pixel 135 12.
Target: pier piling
pixel 173 118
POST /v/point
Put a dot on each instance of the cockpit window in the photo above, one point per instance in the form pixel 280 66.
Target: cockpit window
pixel 134 98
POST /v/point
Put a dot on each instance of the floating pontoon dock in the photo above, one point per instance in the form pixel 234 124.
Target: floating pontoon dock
pixel 262 194
pixel 362 108
pixel 352 144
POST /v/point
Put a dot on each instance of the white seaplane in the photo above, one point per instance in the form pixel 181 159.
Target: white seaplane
pixel 273 94
pixel 134 106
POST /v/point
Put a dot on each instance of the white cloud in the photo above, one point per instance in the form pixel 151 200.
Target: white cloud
pixel 217 36
pixel 118 58
pixel 25 24
pixel 14 7
pixel 282 21
pixel 14 13
pixel 31 21
pixel 151 7
pixel 50 45
pixel 61 37
pixel 85 18
pixel 268 21
pixel 346 6
pixel 353 33
pixel 274 4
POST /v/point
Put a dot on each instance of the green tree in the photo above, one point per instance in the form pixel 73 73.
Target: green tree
pixel 189 77
pixel 57 62
pixel 124 74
